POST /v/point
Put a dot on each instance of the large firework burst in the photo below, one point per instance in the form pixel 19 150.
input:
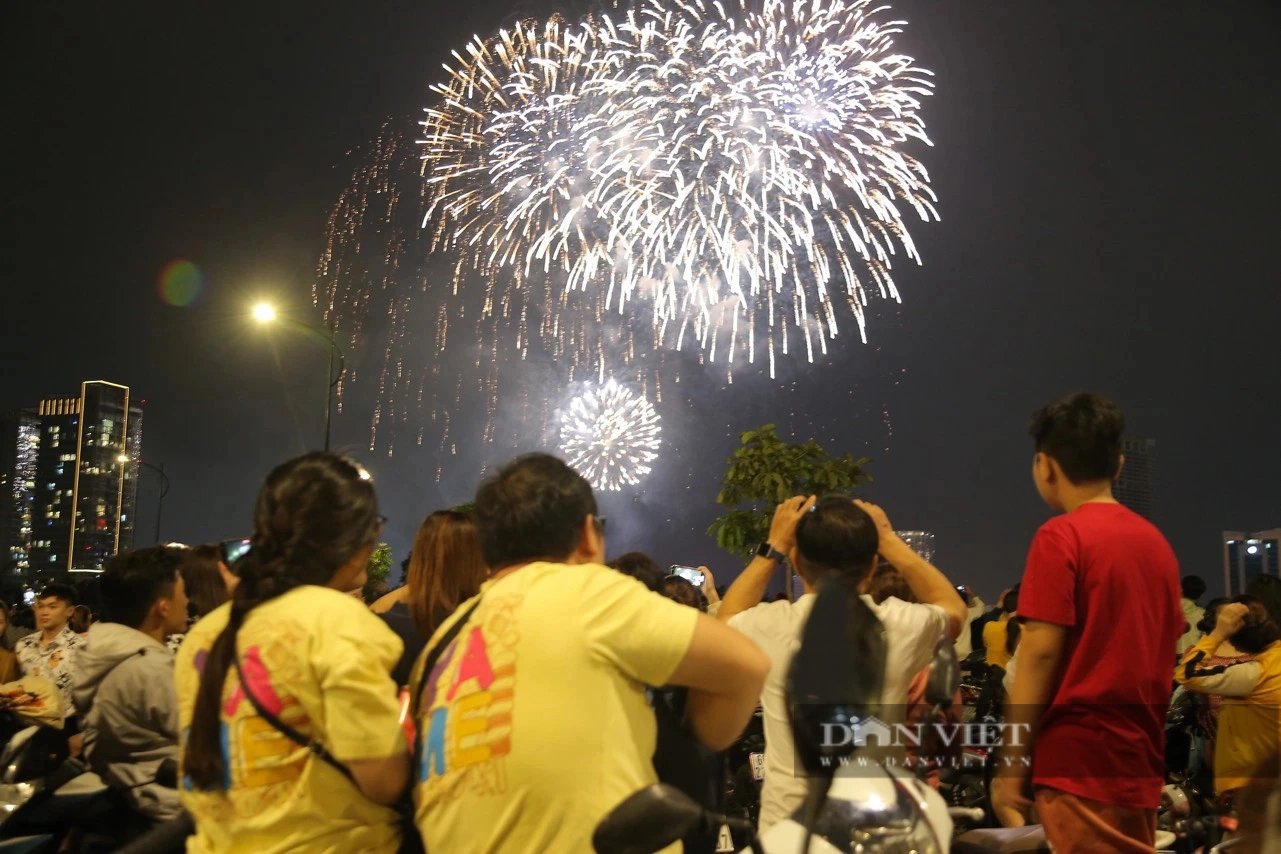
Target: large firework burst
pixel 737 172
pixel 610 436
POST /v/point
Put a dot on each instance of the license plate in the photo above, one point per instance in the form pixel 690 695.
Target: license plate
pixel 758 765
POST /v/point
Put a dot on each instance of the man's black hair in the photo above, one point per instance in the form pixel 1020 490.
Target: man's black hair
pixel 1012 600
pixel 133 581
pixel 533 509
pixel 640 566
pixel 58 590
pixel 1082 433
pixel 1193 587
pixel 835 536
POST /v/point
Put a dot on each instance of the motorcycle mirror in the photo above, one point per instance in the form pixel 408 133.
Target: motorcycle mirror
pixel 945 675
pixel 167 773
pixel 836 676
pixel 648 821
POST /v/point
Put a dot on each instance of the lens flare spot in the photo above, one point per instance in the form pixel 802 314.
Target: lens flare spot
pixel 180 283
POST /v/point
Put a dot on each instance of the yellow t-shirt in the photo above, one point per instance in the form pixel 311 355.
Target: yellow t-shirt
pixel 1245 748
pixel 995 635
pixel 321 662
pixel 534 723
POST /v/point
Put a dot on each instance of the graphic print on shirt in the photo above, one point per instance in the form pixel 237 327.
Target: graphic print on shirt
pixel 261 765
pixel 468 699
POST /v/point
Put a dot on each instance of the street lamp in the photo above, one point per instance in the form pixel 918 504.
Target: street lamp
pixel 164 486
pixel 265 313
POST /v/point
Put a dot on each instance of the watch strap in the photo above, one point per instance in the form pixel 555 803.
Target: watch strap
pixel 767 550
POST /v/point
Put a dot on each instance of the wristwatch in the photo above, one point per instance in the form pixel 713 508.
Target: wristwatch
pixel 765 550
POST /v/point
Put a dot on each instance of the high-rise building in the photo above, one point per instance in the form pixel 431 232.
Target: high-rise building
pixel 1247 555
pixel 19 448
pixel 1136 487
pixel 921 542
pixel 78 458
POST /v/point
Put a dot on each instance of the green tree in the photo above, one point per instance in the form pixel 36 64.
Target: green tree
pixel 377 571
pixel 764 471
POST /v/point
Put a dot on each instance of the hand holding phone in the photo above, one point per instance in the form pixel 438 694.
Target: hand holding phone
pixel 692 574
pixel 233 550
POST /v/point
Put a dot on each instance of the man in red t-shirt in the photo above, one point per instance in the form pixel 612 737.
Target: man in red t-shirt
pixel 1100 597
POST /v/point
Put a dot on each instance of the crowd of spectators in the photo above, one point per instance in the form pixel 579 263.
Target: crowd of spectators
pixel 519 684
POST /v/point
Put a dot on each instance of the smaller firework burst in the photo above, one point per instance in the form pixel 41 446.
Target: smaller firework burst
pixel 610 436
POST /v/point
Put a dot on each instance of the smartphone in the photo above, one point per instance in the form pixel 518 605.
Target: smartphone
pixel 692 574
pixel 233 550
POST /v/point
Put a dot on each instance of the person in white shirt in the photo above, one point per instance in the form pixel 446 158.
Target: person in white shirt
pixel 1193 589
pixel 964 641
pixel 833 535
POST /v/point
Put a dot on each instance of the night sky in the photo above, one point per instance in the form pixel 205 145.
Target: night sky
pixel 1107 175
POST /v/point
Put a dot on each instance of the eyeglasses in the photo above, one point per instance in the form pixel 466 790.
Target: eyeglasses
pixel 600 524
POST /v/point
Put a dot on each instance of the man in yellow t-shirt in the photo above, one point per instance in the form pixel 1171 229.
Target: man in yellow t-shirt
pixel 320 661
pixel 533 722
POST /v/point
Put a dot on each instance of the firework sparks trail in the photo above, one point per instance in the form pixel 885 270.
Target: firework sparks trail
pixel 739 173
pixel 610 436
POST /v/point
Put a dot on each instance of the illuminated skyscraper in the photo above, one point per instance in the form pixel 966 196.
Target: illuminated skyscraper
pixel 1246 556
pixel 921 542
pixel 1136 487
pixel 19 449
pixel 82 496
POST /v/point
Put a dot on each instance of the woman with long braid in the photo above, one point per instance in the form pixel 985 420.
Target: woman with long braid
pixel 291 740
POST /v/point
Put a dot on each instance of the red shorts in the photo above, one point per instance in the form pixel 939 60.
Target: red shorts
pixel 1075 825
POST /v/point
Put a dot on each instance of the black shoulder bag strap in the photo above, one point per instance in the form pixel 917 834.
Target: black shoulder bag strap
pixel 434 654
pixel 317 749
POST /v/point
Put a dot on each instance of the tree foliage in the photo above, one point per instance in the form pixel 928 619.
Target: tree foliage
pixel 766 470
pixel 379 563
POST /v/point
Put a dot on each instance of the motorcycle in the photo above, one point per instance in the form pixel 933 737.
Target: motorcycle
pixel 42 791
pixel 742 774
pixel 885 809
pixel 48 799
pixel 1189 812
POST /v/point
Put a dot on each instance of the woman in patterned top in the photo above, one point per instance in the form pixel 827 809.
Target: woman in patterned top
pixel 1208 705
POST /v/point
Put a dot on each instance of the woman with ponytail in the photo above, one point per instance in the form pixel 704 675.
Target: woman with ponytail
pixel 291 739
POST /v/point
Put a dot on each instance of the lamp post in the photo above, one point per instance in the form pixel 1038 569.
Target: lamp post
pixel 164 487
pixel 265 313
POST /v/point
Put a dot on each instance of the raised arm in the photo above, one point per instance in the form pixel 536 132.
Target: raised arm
pixel 749 588
pixel 928 584
pixel 1233 680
